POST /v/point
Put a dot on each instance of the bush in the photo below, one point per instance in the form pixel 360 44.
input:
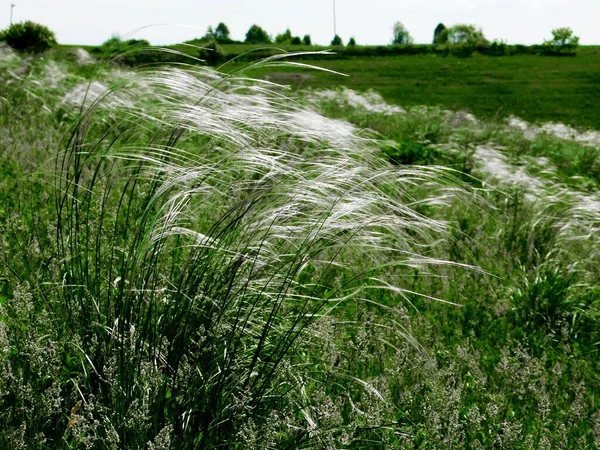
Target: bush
pixel 562 43
pixel 409 152
pixel 462 40
pixel 29 37
pixel 496 48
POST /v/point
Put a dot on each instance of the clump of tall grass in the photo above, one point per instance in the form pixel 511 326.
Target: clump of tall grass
pixel 204 223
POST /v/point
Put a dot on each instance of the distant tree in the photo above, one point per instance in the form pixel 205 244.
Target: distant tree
pixel 337 41
pixel 221 33
pixel 562 41
pixel 401 34
pixel 210 33
pixel 460 34
pixel 256 35
pixel 29 37
pixel 306 40
pixel 438 30
pixel 296 41
pixel 284 38
pixel 462 39
pixel 352 41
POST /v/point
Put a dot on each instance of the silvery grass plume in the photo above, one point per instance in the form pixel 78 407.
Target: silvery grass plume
pixel 205 221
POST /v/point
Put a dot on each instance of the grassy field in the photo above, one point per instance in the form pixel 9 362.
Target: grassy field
pixel 536 88
pixel 190 260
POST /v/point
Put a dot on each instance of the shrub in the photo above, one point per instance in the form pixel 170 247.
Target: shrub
pixel 29 37
pixel 562 43
pixel 409 152
pixel 496 48
pixel 296 41
pixel 462 40
pixel 461 33
pixel 306 40
pixel 352 42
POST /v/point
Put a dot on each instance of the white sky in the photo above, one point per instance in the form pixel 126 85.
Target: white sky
pixel 369 21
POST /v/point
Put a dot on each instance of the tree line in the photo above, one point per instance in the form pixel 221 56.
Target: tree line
pixel 465 39
pixel 462 39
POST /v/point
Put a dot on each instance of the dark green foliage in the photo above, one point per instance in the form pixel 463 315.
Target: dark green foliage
pixel 212 53
pixel 115 45
pixel 436 33
pixel 288 38
pixel 284 38
pixel 29 37
pixel 256 35
pixel 337 41
pixel 410 152
pixel 352 42
pixel 136 52
pixel 495 48
pixel 221 33
pixel 306 40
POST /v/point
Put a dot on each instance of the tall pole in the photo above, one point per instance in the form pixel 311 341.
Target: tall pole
pixel 334 27
pixel 12 5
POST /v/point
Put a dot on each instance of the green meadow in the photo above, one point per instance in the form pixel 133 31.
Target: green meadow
pixel 536 88
pixel 403 257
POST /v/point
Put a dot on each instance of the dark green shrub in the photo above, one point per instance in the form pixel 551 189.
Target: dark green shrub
pixel 496 48
pixel 463 49
pixel 352 42
pixel 409 152
pixel 29 37
pixel 306 40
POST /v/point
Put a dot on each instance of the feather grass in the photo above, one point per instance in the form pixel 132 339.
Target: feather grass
pixel 204 223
